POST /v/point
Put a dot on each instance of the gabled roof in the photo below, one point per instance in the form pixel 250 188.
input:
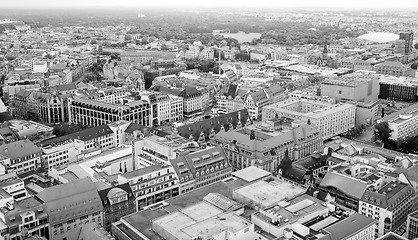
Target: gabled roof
pixel 345 184
pixel 189 92
pixel 216 123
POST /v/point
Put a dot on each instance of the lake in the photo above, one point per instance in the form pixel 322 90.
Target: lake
pixel 240 36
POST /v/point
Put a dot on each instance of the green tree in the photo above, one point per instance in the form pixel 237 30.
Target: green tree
pixel 383 132
pixel 414 65
pixel 416 45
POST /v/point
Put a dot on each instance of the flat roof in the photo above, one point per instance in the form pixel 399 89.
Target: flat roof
pixel 251 173
pixel 269 193
pixel 141 221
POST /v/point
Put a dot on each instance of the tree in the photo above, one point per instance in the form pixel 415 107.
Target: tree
pixel 383 132
pixel 416 45
pixel 414 65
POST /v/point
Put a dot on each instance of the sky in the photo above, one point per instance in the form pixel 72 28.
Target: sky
pixel 385 4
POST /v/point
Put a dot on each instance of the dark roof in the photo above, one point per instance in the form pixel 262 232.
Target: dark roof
pixel 134 127
pixel 65 87
pixel 349 226
pixel 232 90
pixel 125 187
pixel 92 133
pixel 345 184
pixel 189 92
pixel 215 123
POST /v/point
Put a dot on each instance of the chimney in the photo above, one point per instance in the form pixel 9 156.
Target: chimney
pixel 252 134
pixel 329 151
pixel 5 149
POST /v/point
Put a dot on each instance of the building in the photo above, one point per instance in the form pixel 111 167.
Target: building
pixel 201 168
pixel 47 107
pixel 398 88
pixel 29 214
pixel 95 113
pixel 391 236
pixel 351 87
pixel 403 123
pixel 355 226
pixel 250 146
pixel 391 68
pixel 13 186
pixel 408 37
pixel 22 156
pixel 165 108
pixel 193 99
pixel 412 225
pixel 118 201
pixel 151 185
pixel 330 119
pixel 145 57
pixel 71 205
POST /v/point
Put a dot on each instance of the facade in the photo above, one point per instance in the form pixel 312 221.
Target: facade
pixel 118 201
pixel 412 225
pixel 50 107
pixel 165 108
pixel 151 184
pixel 249 146
pixel 201 168
pixel 398 89
pixel 71 205
pixel 22 156
pixel 403 123
pixel 408 37
pixel 95 113
pixel 28 214
pixel 145 57
pixel 15 187
pixel 330 119
pixel 351 87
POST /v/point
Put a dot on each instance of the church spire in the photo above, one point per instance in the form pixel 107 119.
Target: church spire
pixel 286 162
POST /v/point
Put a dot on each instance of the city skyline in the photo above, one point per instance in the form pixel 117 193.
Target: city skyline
pixel 216 3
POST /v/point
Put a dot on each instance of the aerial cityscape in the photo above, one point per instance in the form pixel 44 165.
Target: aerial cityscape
pixel 221 120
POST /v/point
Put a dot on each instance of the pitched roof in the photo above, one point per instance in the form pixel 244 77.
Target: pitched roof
pixel 112 190
pixel 189 92
pixel 216 123
pixel 19 149
pixel 348 185
pixel 92 133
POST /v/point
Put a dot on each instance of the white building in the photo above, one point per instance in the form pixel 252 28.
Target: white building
pixel 331 119
pixel 403 123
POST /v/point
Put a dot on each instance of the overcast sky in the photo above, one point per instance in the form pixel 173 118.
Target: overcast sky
pixel 213 3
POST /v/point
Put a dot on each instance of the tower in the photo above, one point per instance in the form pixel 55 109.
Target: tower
pixel 408 37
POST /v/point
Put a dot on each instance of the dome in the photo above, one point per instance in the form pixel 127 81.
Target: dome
pixel 379 37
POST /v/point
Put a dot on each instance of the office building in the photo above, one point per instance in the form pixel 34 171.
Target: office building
pixel 95 113
pixel 330 119
pixel 351 87
pixel 391 68
pixel 165 108
pixel 250 146
pixel 398 88
pixel 408 37
pixel 151 184
pixel 71 205
pixel 412 225
pixel 403 123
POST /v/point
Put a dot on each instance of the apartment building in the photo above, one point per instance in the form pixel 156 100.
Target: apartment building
pixel 330 119
pixel 201 168
pixel 412 225
pixel 151 184
pixel 250 146
pixel 29 214
pixel 145 57
pixel 21 156
pixel 95 113
pixel 71 205
pixel 118 201
pixel 403 123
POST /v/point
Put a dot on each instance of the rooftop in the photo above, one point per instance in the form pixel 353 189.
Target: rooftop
pixel 349 226
pixel 265 194
pixel 346 184
pixel 251 173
